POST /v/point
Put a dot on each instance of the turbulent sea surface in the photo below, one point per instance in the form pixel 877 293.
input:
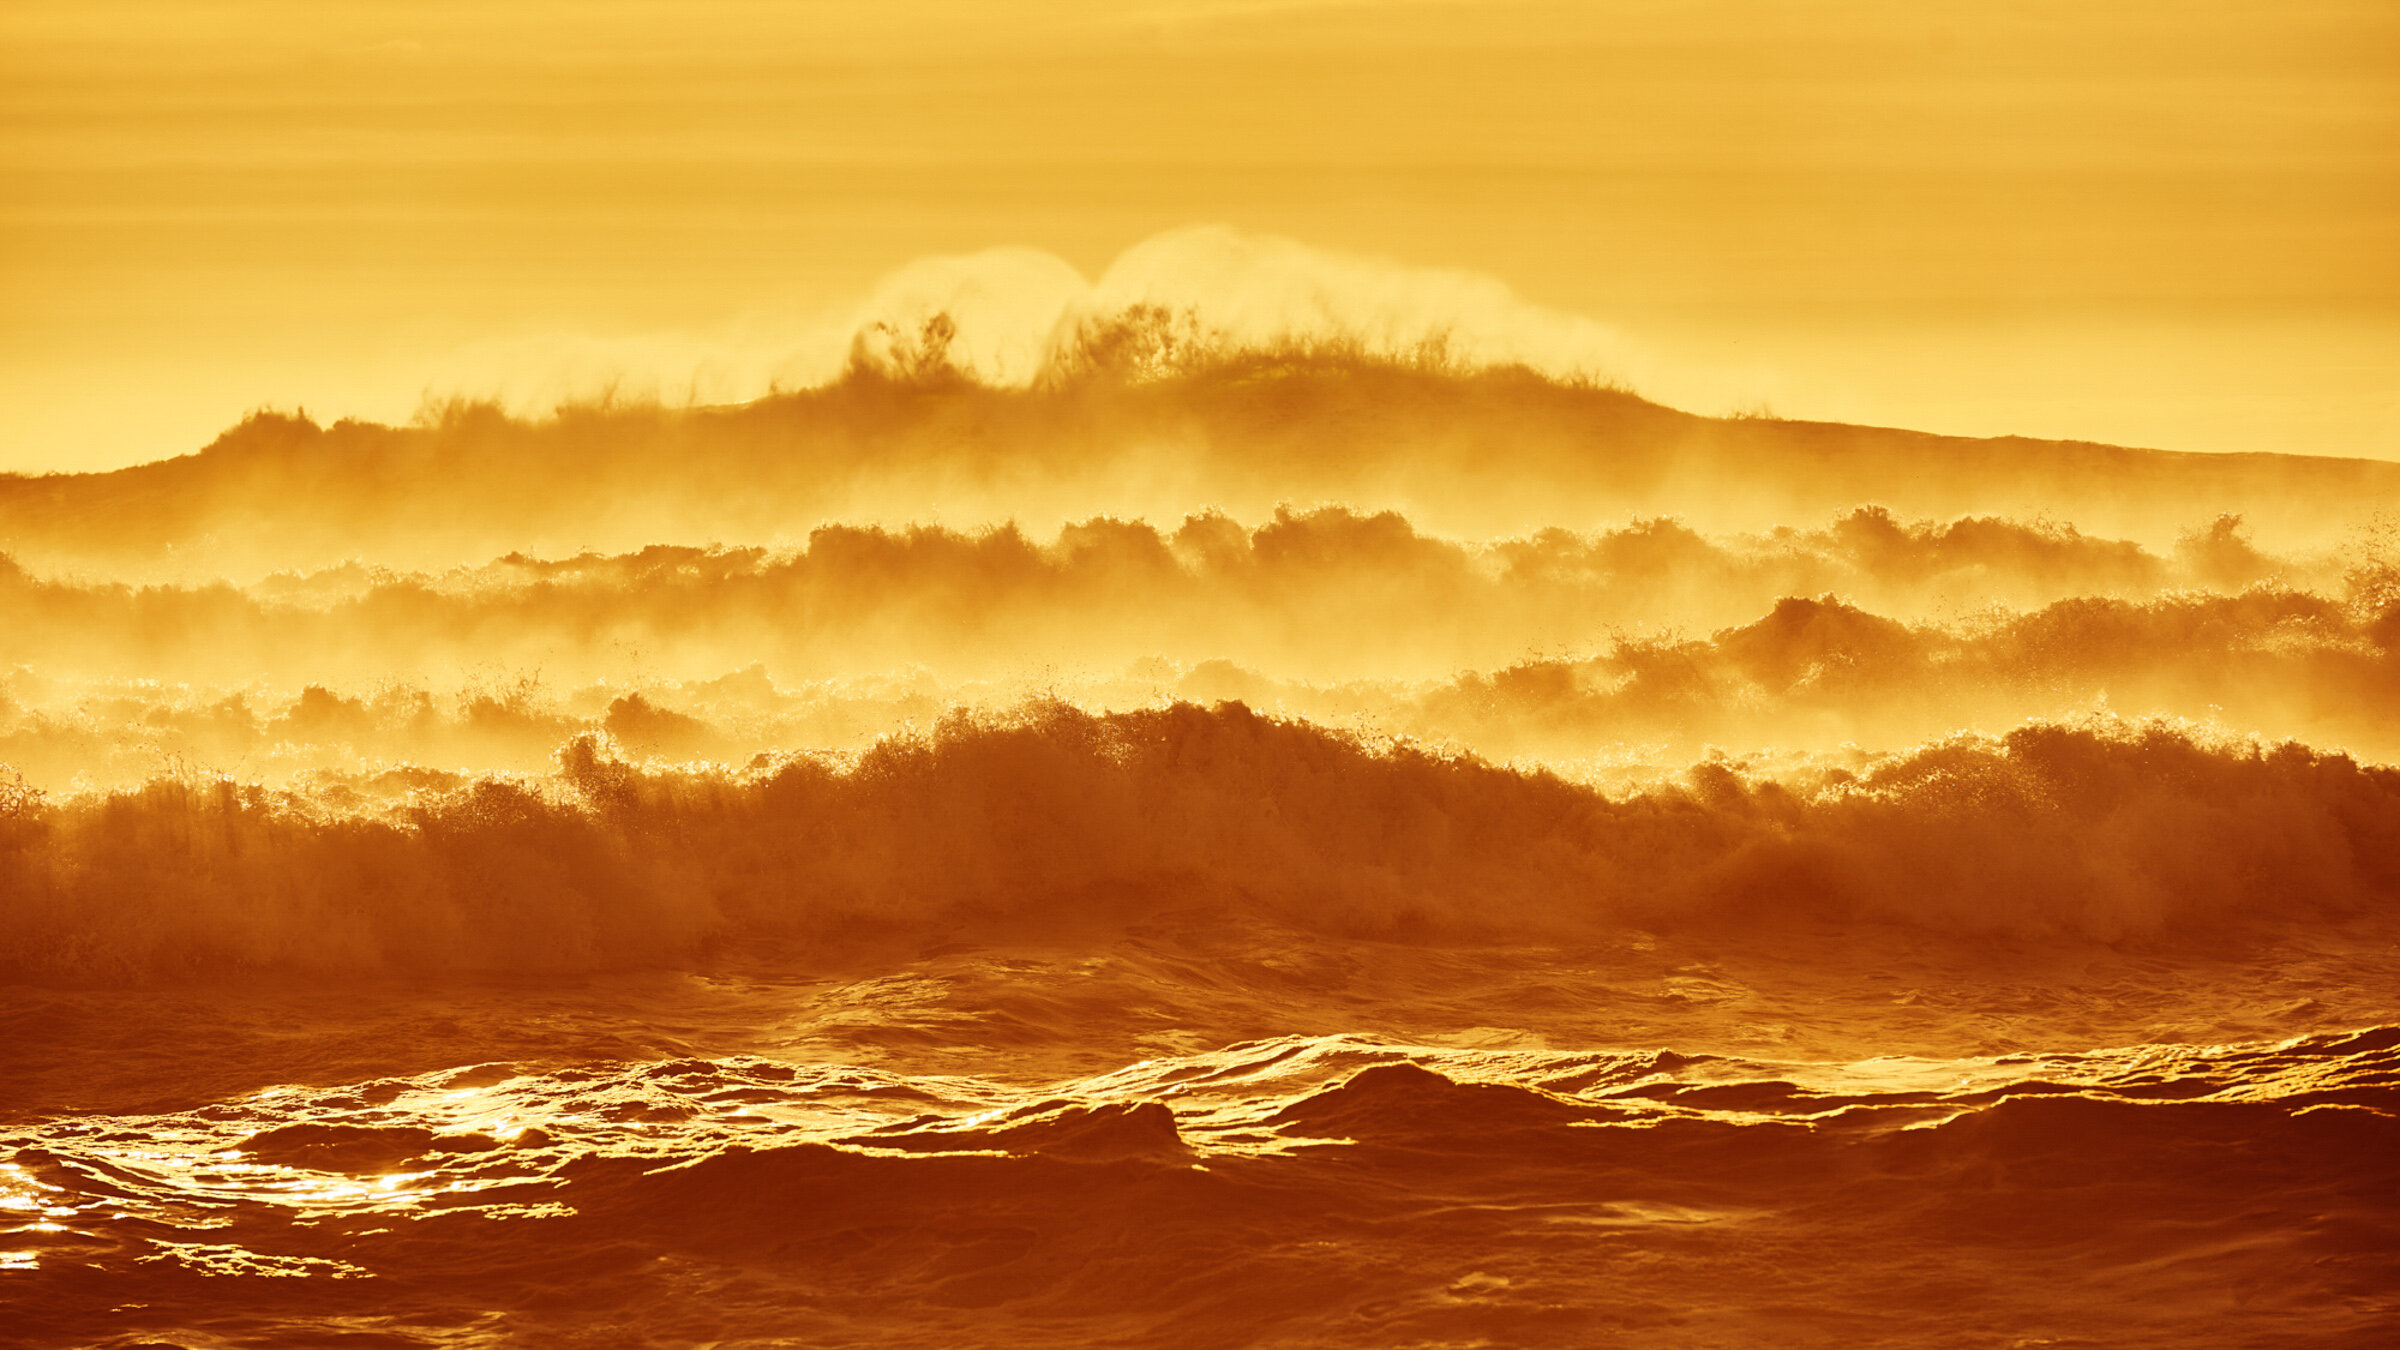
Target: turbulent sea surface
pixel 1217 847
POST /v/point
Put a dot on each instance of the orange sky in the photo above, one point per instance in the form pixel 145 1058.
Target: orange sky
pixel 2145 222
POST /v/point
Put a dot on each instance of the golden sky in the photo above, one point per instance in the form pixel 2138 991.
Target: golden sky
pixel 2158 223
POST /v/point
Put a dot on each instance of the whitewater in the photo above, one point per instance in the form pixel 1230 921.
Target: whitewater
pixel 1207 841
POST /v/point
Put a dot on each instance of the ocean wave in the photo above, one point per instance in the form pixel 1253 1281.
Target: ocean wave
pixel 1481 452
pixel 1050 820
pixel 1318 1190
pixel 1328 592
pixel 774 659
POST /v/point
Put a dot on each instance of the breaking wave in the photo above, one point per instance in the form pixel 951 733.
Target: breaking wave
pixel 1194 827
pixel 1051 819
pixel 1555 646
pixel 1328 591
pixel 1239 430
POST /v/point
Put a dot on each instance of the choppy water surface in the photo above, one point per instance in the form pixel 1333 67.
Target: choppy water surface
pixel 1468 913
pixel 935 1156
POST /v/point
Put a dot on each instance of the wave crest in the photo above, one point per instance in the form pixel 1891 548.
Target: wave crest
pixel 1048 819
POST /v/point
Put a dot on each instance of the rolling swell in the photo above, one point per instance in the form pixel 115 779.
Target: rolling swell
pixel 1049 820
pixel 1334 1190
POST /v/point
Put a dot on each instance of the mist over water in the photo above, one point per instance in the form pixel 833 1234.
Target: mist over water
pixel 1212 824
